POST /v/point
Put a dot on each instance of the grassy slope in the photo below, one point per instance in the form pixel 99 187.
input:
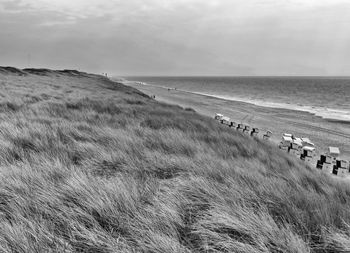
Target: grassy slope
pixel 94 166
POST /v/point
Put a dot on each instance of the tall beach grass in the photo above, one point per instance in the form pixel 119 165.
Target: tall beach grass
pixel 104 168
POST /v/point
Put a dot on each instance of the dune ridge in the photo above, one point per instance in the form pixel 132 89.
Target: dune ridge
pixel 38 71
pixel 91 165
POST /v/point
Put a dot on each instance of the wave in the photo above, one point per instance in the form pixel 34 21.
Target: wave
pixel 323 112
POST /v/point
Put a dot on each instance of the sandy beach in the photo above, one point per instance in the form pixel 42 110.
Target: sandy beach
pixel 322 132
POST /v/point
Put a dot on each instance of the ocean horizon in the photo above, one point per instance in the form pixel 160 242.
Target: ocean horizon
pixel 324 96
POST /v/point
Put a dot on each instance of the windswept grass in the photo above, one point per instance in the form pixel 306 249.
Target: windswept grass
pixel 117 171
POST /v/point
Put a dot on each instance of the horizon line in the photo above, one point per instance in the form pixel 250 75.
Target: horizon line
pixel 266 76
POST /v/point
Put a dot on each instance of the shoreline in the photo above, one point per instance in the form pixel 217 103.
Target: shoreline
pixel 323 132
pixel 318 112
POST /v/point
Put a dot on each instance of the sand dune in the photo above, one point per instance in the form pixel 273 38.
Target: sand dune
pixel 91 165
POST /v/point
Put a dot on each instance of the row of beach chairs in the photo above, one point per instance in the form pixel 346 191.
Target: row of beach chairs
pixel 254 132
pixel 301 148
pixel 304 149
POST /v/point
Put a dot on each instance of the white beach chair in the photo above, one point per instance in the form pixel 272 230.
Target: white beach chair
pixel 226 121
pixel 333 152
pixel 218 116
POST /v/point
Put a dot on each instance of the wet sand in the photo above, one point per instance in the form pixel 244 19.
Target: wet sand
pixel 323 133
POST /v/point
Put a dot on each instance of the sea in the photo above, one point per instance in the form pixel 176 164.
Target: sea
pixel 326 97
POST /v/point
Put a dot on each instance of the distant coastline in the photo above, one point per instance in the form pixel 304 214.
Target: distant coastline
pixel 329 114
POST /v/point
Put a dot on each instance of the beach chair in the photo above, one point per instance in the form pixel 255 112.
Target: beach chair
pixel 307 152
pixel 226 121
pixel 267 136
pixel 286 142
pixel 342 168
pixel 333 152
pixel 233 124
pixel 297 144
pixel 240 127
pixel 335 170
pixel 344 164
pixel 254 132
pixel 320 162
pixel 327 163
pixel 246 129
pixel 218 116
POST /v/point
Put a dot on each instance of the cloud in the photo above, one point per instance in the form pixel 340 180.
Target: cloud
pixel 178 37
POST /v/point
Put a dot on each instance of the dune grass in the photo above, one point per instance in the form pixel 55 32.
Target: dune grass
pixel 104 168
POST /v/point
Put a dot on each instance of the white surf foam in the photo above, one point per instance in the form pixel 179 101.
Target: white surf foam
pixel 323 112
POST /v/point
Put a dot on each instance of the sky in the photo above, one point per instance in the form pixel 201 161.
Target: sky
pixel 178 37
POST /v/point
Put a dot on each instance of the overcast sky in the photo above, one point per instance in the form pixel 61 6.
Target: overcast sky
pixel 178 37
